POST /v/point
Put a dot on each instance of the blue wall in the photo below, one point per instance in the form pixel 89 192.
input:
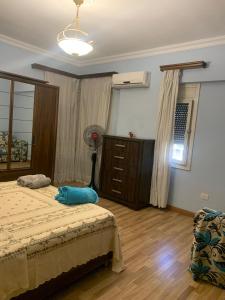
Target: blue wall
pixel 137 110
pixel 17 60
pixel 208 163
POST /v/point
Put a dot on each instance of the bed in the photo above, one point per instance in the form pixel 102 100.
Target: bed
pixel 41 239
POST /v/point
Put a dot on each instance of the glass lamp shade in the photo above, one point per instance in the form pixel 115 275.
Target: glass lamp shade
pixel 88 2
pixel 75 46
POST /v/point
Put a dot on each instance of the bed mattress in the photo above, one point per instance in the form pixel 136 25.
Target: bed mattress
pixel 40 238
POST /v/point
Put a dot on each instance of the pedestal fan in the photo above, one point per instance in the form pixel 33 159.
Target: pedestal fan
pixel 93 138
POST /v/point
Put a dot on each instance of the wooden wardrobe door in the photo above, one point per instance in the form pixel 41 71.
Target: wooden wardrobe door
pixel 45 129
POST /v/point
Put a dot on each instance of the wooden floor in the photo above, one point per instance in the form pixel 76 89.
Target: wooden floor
pixel 156 248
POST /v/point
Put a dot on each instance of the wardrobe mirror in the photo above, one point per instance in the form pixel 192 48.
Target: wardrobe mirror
pixel 4 121
pixel 22 125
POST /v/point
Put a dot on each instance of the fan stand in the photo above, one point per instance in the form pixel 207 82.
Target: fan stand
pixel 92 182
pixel 93 137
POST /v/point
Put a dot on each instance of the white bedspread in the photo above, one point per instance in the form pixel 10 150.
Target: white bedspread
pixel 40 238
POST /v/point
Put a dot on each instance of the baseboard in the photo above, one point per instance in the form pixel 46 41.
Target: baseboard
pixel 181 211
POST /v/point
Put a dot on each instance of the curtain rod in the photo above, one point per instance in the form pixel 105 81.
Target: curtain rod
pixel 185 66
pixel 14 76
pixel 68 74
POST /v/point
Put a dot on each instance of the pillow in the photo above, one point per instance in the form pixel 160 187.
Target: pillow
pixel 76 195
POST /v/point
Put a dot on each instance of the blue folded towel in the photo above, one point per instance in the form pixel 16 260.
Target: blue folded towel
pixel 76 195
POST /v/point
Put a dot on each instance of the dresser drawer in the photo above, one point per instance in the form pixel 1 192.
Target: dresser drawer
pixel 118 174
pixel 113 187
pixel 117 143
pixel 118 168
pixel 119 162
pixel 117 189
pixel 119 148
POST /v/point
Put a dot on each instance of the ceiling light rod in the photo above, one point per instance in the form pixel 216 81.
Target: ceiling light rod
pixel 78 3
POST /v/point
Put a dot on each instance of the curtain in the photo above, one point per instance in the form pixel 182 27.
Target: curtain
pixel 161 168
pixel 67 126
pixel 95 96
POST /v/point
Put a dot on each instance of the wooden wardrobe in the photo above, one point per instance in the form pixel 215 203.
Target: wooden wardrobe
pixel 28 126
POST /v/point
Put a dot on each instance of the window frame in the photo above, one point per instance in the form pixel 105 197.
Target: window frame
pixel 188 93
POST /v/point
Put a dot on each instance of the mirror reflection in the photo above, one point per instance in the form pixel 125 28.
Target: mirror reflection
pixel 22 125
pixel 4 121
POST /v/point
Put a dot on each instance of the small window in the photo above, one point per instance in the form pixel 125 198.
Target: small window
pixel 184 126
pixel 182 131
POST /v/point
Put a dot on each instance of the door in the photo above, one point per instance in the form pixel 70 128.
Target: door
pixel 45 129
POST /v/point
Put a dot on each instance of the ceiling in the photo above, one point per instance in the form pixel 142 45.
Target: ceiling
pixel 116 26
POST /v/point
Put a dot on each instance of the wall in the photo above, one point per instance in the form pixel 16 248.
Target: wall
pixel 18 60
pixel 137 110
pixel 208 163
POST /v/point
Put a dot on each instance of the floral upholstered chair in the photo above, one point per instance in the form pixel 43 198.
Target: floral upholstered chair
pixel 208 249
pixel 19 148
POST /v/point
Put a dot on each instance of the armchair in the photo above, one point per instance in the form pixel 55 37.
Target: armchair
pixel 208 248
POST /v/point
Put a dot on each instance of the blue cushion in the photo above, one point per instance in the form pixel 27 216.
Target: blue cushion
pixel 76 195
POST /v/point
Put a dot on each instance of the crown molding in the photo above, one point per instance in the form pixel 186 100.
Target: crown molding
pixel 197 44
pixel 29 47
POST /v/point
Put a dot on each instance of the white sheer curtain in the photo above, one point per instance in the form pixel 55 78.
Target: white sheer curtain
pixel 95 96
pixel 67 126
pixel 161 169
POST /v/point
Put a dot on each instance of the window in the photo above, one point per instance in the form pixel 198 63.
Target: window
pixel 184 127
pixel 182 131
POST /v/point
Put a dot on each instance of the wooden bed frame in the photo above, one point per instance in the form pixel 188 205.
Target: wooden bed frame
pixel 57 284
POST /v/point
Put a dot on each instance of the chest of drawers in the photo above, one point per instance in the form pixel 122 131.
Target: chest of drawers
pixel 126 170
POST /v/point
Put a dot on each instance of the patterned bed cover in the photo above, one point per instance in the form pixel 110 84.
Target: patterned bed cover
pixel 40 238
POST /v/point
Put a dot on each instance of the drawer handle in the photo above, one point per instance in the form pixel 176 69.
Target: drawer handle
pixel 117 180
pixel 117 192
pixel 118 169
pixel 119 157
pixel 120 145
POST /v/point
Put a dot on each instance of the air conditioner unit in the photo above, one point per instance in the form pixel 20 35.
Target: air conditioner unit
pixel 131 80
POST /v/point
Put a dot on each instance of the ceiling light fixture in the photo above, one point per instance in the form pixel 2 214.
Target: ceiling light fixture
pixel 72 39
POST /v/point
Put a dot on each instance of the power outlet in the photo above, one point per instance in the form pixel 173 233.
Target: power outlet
pixel 204 196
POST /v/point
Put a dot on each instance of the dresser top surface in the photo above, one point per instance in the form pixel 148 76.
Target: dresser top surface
pixel 126 138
